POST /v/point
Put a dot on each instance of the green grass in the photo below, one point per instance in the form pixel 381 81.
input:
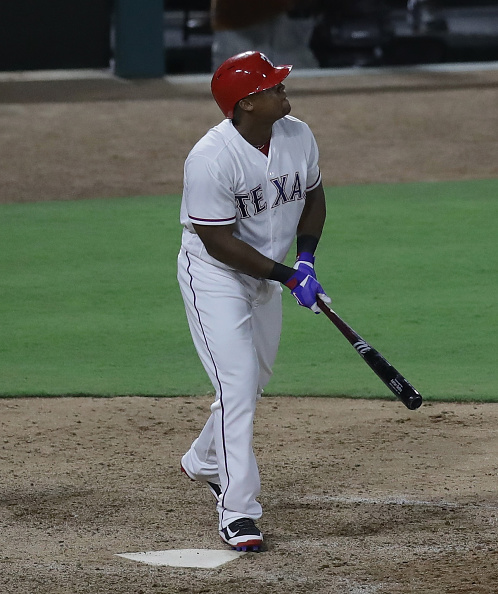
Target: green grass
pixel 413 268
pixel 89 299
pixel 90 305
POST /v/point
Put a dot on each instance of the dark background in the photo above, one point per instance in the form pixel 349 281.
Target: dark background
pixel 62 34
pixel 52 34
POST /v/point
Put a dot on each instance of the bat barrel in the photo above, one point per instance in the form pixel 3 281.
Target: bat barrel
pixel 384 370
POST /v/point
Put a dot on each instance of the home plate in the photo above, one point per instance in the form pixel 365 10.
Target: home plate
pixel 184 557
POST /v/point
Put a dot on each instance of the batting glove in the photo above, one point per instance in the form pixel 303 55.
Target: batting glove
pixel 305 262
pixel 306 289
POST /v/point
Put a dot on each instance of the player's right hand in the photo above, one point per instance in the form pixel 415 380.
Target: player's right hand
pixel 306 289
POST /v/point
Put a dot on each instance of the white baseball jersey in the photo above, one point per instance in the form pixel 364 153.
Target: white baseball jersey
pixel 234 319
pixel 227 180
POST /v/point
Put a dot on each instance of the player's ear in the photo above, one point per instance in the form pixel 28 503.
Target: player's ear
pixel 246 104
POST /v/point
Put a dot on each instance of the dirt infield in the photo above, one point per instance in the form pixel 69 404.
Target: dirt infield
pixel 359 497
pixel 94 139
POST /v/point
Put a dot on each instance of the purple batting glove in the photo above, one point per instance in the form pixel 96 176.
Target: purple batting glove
pixel 306 289
pixel 305 262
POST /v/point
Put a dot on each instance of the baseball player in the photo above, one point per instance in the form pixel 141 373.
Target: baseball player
pixel 252 185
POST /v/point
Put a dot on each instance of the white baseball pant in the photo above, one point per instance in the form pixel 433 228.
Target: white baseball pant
pixel 235 322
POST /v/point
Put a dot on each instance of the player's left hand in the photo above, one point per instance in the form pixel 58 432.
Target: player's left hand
pixel 306 289
pixel 305 262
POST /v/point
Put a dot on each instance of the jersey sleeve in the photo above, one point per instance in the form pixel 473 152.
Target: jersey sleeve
pixel 313 177
pixel 207 192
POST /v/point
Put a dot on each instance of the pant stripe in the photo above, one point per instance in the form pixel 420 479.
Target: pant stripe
pixel 220 387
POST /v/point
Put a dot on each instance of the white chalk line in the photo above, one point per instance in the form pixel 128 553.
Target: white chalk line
pixel 400 500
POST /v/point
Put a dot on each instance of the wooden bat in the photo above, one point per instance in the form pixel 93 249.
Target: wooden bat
pixel 397 383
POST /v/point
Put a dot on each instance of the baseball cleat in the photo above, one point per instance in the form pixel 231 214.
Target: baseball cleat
pixel 213 487
pixel 242 535
pixel 252 549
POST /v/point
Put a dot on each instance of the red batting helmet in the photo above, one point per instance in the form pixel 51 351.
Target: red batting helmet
pixel 243 75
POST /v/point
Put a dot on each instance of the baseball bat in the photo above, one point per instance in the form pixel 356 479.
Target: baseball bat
pixel 393 379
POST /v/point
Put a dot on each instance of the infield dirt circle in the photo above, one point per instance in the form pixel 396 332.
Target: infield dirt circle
pixel 359 497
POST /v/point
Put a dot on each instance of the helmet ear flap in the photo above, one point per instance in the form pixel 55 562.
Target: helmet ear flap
pixel 243 75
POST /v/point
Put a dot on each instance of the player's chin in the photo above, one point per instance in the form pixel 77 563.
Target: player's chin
pixel 286 107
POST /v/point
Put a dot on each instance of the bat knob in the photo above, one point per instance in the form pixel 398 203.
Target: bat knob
pixel 414 402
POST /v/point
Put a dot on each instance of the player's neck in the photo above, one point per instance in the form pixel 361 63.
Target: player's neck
pixel 257 136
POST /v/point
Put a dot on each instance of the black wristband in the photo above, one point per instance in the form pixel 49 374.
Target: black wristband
pixel 281 272
pixel 306 243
